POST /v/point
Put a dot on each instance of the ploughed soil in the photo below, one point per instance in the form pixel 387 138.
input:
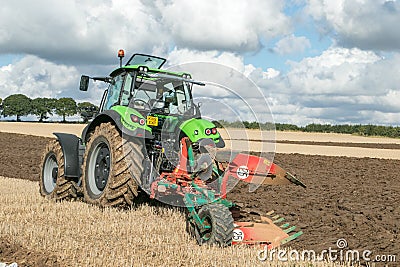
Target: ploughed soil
pixel 357 199
pixel 315 143
pixel 20 155
pixel 12 252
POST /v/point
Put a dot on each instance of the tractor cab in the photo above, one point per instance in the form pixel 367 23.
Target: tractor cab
pixel 141 85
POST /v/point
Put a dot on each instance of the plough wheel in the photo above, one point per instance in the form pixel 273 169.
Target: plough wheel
pixel 219 222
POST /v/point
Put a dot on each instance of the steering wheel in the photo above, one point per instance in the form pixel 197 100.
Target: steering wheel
pixel 142 101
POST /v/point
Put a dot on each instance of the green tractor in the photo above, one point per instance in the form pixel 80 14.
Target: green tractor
pixel 149 138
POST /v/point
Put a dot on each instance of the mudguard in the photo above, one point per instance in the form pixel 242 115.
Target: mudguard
pixel 70 147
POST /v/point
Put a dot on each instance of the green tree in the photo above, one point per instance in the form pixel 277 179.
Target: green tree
pixel 1 106
pixel 17 105
pixel 65 106
pixel 42 107
pixel 87 110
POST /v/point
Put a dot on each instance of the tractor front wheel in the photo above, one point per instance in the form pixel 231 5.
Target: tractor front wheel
pixel 219 226
pixel 112 168
pixel 52 182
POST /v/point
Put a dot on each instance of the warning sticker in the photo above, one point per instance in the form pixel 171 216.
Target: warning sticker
pixel 243 172
pixel 238 235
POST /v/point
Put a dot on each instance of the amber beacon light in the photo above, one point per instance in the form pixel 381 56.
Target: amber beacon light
pixel 121 54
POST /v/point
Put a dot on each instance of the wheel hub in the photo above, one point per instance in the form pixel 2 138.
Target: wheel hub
pixel 102 167
pixel 50 173
pixel 54 174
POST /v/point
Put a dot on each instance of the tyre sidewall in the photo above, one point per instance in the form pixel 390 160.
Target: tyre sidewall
pixel 204 212
pixel 215 212
pixel 52 149
pixel 43 188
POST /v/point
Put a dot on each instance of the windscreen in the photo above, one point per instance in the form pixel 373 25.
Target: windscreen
pixel 146 60
pixel 172 96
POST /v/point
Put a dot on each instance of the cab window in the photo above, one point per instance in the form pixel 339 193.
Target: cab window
pixel 114 91
pixel 126 92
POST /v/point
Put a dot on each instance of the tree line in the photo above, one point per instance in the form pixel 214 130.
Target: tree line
pixel 20 105
pixel 357 129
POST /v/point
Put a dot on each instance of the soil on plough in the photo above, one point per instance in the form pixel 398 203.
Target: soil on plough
pixel 352 198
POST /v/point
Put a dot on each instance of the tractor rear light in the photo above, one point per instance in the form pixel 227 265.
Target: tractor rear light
pixel 134 118
pixel 208 131
pixel 141 122
pixel 214 131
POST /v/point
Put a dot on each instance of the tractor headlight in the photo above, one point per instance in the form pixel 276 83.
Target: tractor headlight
pixel 143 69
pixel 209 131
pixel 186 76
pixel 136 119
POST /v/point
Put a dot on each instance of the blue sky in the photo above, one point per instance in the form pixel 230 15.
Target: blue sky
pixel 307 28
pixel 315 61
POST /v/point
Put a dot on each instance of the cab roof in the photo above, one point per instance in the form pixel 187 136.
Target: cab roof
pixel 151 70
pixel 150 63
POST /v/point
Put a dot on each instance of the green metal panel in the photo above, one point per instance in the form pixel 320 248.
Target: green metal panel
pixel 125 113
pixel 195 129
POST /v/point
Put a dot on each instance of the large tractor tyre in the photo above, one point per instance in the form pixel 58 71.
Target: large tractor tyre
pixel 220 222
pixel 52 182
pixel 112 168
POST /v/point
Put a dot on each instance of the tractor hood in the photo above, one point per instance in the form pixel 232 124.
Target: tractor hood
pixel 197 129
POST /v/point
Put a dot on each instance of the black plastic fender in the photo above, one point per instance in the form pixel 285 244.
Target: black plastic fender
pixel 70 145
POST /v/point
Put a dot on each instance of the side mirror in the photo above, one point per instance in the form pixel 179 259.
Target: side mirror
pixel 84 84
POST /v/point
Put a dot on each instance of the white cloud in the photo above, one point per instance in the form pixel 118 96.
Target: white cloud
pixel 291 44
pixel 367 24
pixel 36 77
pixel 223 25
pixel 90 32
pixel 339 86
pixel 182 56
pixel 86 32
pixel 335 71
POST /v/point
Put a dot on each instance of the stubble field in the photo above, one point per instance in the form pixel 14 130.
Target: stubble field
pixel 355 198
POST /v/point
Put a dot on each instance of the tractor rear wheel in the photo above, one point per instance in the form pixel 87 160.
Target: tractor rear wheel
pixel 112 168
pixel 220 222
pixel 52 182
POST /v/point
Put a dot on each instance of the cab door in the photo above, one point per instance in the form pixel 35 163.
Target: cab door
pixel 114 92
